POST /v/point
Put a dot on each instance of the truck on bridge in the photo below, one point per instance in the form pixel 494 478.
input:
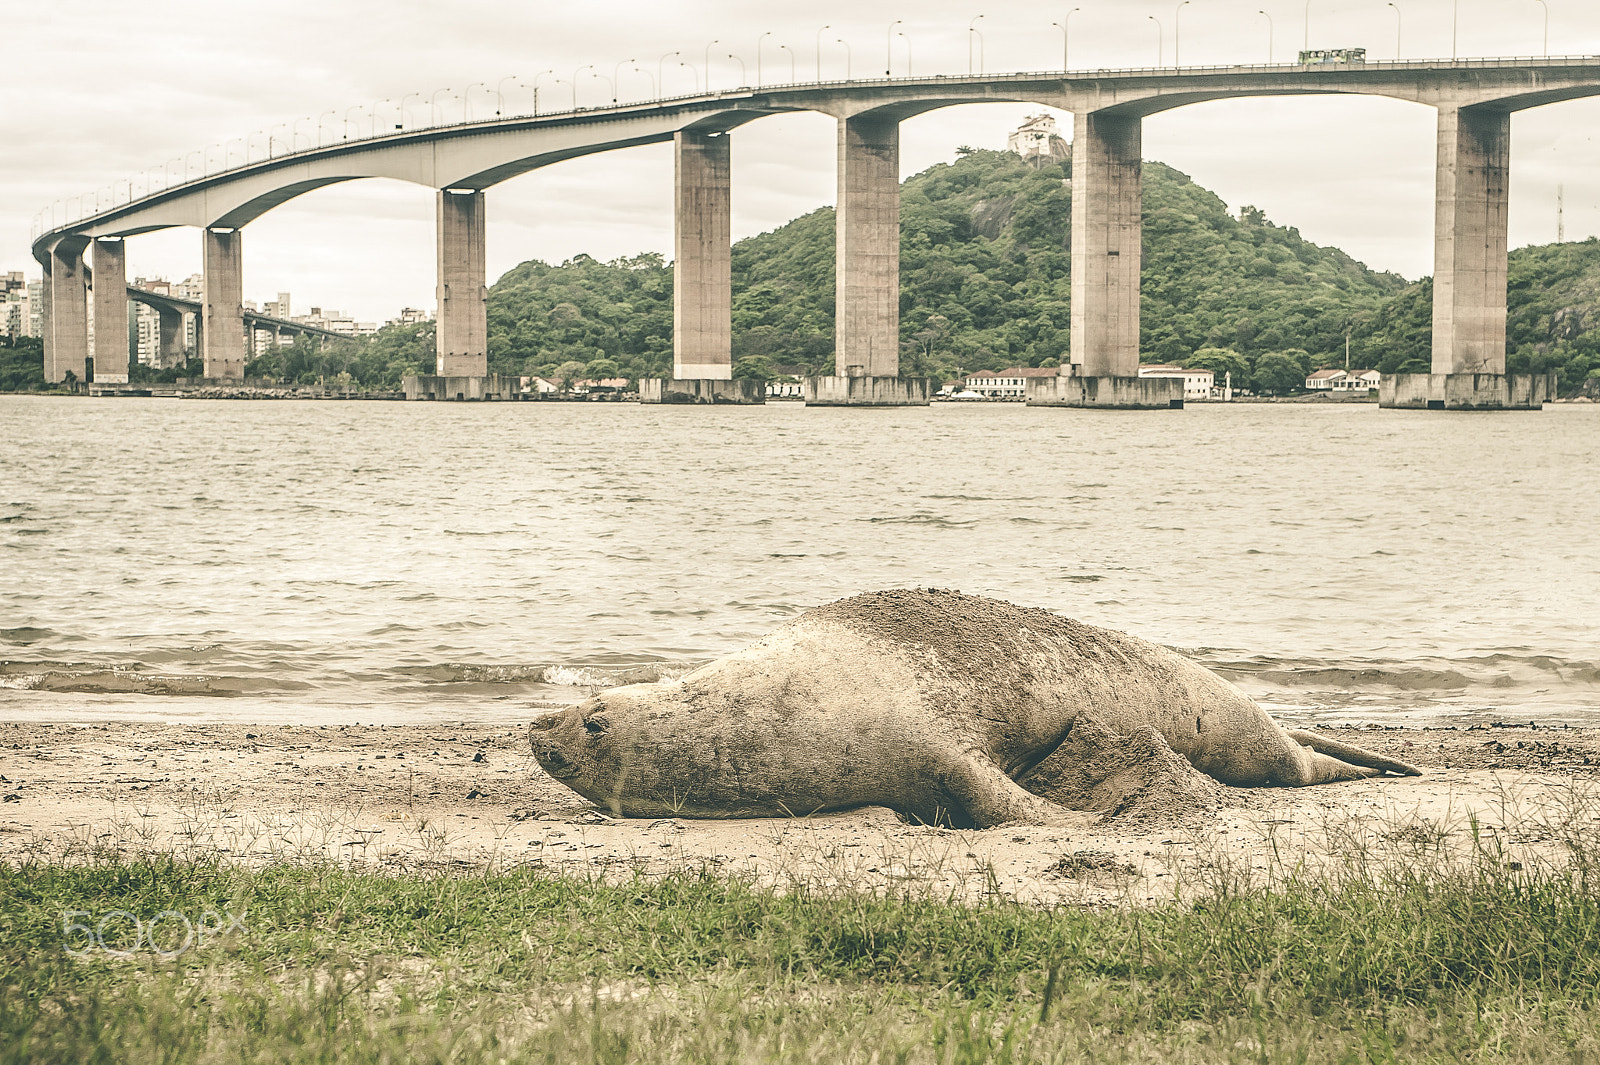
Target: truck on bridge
pixel 1317 56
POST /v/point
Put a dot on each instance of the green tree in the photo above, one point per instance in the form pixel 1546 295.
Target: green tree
pixel 1221 362
pixel 22 365
pixel 1278 373
pixel 567 373
pixel 753 368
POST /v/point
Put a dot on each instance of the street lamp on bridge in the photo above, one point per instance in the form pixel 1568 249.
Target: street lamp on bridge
pixel 1268 17
pixel 661 66
pixel 1066 41
pixel 793 77
pixel 708 63
pixel 433 106
pixel 972 30
pixel 759 39
pixel 500 94
pixel 1397 28
pixel 888 47
pixel 535 87
pixel 848 54
pixel 616 78
pixel 403 99
pixel 1161 43
pixel 1546 7
pixel 742 78
pixel 1177 34
pixel 819 53
pixel 655 93
pixel 575 73
pixel 466 100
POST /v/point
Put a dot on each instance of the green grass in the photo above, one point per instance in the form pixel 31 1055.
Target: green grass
pixel 1399 961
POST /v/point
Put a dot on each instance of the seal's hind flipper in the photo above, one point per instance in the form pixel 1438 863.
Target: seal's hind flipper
pixel 982 790
pixel 1350 753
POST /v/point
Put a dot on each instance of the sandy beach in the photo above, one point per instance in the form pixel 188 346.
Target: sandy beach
pixel 409 798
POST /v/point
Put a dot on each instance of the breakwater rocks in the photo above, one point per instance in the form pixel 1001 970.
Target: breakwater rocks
pixel 246 392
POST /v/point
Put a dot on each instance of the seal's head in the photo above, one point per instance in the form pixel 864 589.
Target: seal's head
pixel 586 750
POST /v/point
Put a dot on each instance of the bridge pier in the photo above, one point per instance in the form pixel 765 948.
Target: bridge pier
pixel 702 292
pixel 110 312
pixel 67 340
pixel 702 285
pixel 867 274
pixel 172 347
pixel 1471 213
pixel 1471 210
pixel 1107 255
pixel 461 338
pixel 222 333
pixel 462 342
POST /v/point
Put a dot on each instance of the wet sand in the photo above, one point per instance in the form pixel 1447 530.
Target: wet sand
pixel 428 797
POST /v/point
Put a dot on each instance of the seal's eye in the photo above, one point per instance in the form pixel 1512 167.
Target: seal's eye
pixel 595 724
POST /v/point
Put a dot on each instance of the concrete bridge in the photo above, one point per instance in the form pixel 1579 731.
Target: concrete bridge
pixel 171 310
pixel 1474 100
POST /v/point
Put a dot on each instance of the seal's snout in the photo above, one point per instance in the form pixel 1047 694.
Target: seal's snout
pixel 549 739
pixel 550 755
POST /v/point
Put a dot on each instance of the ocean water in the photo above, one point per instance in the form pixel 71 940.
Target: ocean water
pixel 384 562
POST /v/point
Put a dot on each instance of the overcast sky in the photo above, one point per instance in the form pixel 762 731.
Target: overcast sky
pixel 99 90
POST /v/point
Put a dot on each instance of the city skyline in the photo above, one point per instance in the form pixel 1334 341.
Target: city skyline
pixel 1353 172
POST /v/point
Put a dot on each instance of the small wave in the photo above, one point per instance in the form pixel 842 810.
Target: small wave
pixel 1500 672
pixel 1414 680
pixel 26 634
pixel 121 681
pixel 455 673
pixel 933 520
pixel 561 675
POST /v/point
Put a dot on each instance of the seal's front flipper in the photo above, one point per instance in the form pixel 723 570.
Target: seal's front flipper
pixel 1349 752
pixel 981 790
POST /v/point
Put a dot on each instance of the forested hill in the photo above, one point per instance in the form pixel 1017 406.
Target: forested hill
pixel 985 283
pixel 1552 318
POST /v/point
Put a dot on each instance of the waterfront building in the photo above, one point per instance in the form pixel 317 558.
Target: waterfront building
pixel 1010 383
pixel 1196 383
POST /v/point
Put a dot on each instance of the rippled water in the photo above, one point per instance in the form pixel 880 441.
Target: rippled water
pixel 321 561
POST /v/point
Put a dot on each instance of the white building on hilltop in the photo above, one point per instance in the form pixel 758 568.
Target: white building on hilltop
pixel 1037 140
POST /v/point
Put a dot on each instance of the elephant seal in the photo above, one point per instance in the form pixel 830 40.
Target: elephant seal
pixel 930 702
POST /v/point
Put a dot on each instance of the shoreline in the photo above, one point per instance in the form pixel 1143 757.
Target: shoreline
pixel 409 798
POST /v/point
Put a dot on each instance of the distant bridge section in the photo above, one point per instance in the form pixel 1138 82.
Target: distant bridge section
pixel 1474 101
pixel 171 310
